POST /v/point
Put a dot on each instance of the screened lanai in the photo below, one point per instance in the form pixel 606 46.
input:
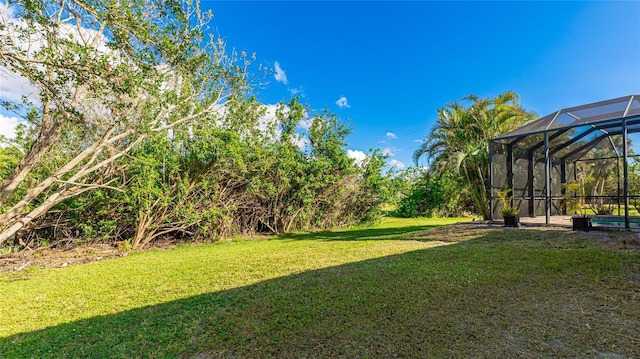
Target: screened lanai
pixel 596 145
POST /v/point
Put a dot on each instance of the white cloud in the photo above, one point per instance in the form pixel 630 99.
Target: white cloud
pixel 8 126
pixel 268 119
pixel 13 87
pixel 358 156
pixel 300 141
pixel 268 125
pixel 269 116
pixel 397 164
pixel 306 122
pixel 342 102
pixel 388 151
pixel 280 75
pixel 391 135
pixel 418 141
pixel 296 91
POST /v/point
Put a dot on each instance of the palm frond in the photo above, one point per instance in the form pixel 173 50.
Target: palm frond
pixel 459 139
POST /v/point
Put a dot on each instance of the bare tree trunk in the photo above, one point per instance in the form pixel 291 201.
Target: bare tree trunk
pixel 48 135
pixel 99 101
pixel 56 197
pixel 14 219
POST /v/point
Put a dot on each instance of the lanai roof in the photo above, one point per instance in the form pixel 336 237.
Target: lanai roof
pixel 590 115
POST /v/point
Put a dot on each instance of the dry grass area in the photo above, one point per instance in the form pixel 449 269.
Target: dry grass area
pixel 58 257
pixel 406 289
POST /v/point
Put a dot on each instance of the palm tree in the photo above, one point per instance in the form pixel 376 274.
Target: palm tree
pixel 460 138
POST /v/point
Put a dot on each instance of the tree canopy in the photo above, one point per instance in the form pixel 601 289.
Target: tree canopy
pixel 143 125
pixel 459 140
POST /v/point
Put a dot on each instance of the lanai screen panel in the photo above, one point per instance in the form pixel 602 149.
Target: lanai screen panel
pixel 498 153
pixel 499 166
pixel 634 175
pixel 579 139
pixel 600 170
pixel 520 183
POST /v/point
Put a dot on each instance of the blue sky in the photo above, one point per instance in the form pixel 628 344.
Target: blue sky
pixel 396 63
pixel 385 67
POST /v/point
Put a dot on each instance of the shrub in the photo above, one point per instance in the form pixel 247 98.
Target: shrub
pixel 433 196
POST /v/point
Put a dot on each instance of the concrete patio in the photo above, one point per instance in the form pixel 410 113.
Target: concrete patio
pixel 565 221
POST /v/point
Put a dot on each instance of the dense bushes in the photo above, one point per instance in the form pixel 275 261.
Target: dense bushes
pixel 428 195
pixel 144 126
pixel 242 171
pixel 458 144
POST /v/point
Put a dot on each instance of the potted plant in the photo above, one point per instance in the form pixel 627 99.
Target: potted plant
pixel 509 214
pixel 576 204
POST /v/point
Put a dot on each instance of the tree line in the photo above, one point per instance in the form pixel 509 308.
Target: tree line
pixel 457 181
pixel 144 126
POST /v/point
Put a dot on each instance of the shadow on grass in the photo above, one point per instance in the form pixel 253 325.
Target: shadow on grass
pixel 360 234
pixel 453 301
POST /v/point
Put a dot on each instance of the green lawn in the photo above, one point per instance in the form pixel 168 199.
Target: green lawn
pixel 404 288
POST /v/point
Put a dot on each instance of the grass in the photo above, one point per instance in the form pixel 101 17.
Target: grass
pixel 404 288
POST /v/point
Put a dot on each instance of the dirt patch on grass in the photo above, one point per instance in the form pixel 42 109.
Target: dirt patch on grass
pixel 62 257
pixel 57 257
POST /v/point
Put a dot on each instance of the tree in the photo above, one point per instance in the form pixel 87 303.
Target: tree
pixel 430 195
pixel 596 169
pixel 222 176
pixel 459 140
pixel 108 75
